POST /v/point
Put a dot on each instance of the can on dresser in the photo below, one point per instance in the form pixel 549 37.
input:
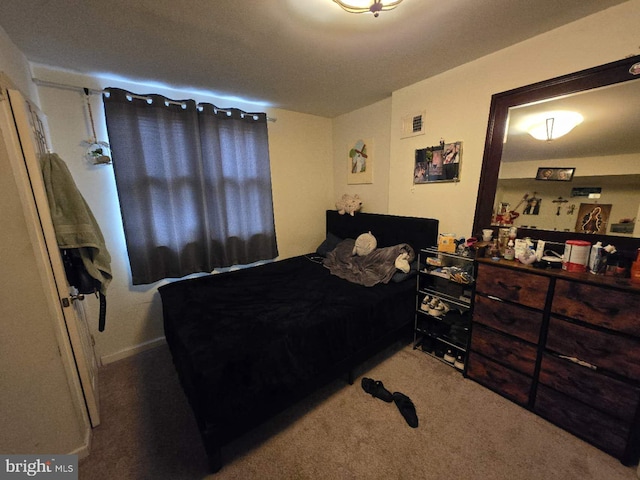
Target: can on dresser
pixel 576 255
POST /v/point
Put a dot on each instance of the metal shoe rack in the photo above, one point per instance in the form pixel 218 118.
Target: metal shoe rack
pixel 445 288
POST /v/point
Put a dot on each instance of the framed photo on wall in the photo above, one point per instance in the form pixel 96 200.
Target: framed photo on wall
pixel 440 163
pixel 555 174
pixel 360 162
pixel 593 218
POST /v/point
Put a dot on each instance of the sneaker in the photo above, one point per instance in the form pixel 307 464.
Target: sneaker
pixel 439 309
pixel 430 305
pixel 425 303
pixel 459 363
pixel 427 344
pixel 448 356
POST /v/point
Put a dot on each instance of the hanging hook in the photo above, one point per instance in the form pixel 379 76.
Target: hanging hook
pixel 96 152
pixel 93 128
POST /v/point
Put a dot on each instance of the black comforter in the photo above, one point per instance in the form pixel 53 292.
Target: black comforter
pixel 261 337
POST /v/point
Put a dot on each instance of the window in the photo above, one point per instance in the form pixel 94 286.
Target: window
pixel 194 185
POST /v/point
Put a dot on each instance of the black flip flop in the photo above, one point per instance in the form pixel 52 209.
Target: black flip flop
pixel 376 389
pixel 407 409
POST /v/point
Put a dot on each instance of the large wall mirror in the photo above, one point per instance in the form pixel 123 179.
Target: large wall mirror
pixel 584 184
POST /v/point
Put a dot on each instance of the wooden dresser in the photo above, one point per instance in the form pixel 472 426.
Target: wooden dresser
pixel 563 345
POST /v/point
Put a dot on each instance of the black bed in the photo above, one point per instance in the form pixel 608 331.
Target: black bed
pixel 247 344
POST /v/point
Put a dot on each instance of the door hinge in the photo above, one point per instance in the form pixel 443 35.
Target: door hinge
pixel 65 302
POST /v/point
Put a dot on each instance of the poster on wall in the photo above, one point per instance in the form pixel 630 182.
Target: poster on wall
pixel 360 162
pixel 440 163
pixel 593 218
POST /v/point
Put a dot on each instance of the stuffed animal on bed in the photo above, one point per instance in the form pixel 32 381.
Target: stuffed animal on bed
pixel 349 204
pixel 402 262
pixel 365 244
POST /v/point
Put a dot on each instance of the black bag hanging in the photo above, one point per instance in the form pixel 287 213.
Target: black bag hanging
pixel 78 277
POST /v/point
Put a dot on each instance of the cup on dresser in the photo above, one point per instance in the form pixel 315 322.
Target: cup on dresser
pixel 487 233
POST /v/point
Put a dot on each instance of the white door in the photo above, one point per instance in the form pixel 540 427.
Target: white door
pixel 32 140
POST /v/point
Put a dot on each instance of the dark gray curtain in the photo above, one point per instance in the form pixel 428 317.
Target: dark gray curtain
pixel 194 185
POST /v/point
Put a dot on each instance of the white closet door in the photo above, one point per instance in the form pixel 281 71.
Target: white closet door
pixel 32 136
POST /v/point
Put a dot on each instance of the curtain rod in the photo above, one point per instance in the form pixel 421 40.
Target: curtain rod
pixel 64 86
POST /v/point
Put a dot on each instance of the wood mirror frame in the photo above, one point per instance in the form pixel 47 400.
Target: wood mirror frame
pixel 608 74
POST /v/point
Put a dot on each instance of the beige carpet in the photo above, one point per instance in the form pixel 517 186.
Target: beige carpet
pixel 465 431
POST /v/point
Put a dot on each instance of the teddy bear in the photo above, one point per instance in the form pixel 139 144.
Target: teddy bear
pixel 349 204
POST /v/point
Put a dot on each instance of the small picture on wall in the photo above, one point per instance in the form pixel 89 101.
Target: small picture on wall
pixel 555 174
pixel 439 163
pixel 593 218
pixel 360 162
pixel 533 206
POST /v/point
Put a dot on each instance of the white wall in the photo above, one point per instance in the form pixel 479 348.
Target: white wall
pixel 457 104
pixel 300 152
pixel 371 123
pixel 14 65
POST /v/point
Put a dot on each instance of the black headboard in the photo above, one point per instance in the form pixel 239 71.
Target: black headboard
pixel 389 230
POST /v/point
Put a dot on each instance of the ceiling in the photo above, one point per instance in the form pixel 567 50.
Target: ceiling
pixel 307 56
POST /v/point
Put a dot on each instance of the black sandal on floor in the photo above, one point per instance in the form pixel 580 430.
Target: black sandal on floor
pixel 407 409
pixel 376 389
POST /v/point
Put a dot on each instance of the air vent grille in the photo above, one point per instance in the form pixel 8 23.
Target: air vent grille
pixel 413 124
pixel 417 123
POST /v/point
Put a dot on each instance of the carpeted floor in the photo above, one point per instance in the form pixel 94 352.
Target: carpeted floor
pixel 465 431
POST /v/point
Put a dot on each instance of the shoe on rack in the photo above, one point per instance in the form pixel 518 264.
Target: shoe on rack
pixel 459 363
pixel 449 357
pixel 439 309
pixel 433 302
pixel 427 344
pixel 425 303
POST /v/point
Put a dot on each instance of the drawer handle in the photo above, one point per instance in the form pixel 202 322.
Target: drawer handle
pixel 495 298
pixel 579 362
pixel 611 311
pixel 509 287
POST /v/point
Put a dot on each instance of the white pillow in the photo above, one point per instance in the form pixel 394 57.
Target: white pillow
pixel 365 244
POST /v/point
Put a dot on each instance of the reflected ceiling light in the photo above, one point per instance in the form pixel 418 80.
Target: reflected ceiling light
pixel 551 125
pixel 363 6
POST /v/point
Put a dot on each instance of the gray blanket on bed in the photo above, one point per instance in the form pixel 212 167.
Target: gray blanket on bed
pixel 377 267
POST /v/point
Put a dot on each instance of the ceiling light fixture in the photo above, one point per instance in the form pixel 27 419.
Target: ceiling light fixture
pixel 363 6
pixel 552 125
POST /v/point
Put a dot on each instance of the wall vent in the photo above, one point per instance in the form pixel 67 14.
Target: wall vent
pixel 413 124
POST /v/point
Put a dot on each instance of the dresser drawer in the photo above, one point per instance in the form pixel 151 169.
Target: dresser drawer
pixel 609 351
pixel 518 287
pixel 604 431
pixel 604 393
pixel 612 309
pixel 503 380
pixel 505 350
pixel 512 319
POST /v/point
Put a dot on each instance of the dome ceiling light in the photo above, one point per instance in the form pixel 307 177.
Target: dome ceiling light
pixel 552 125
pixel 364 6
